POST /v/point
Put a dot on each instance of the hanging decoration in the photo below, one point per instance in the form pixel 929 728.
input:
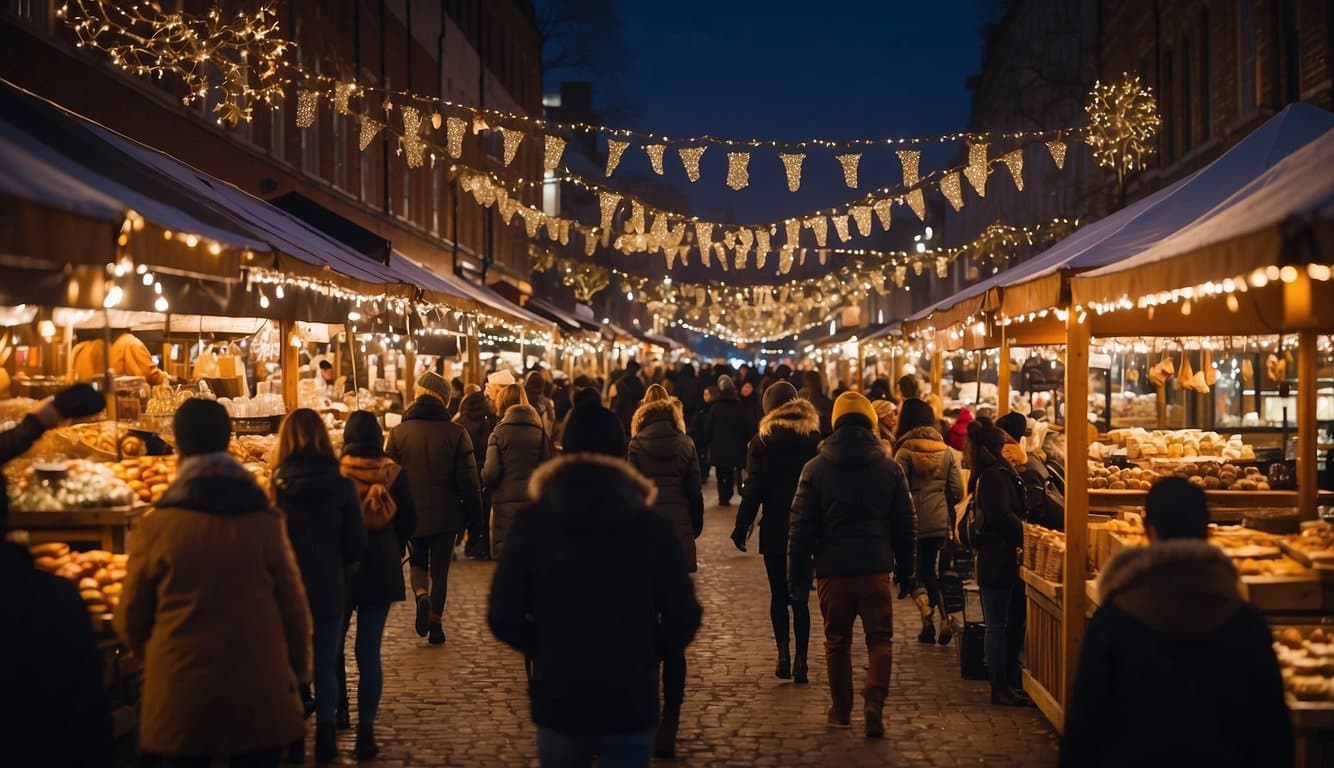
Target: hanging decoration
pixel 414 149
pixel 819 225
pixel 614 151
pixel 455 129
pixel 949 187
pixel 882 212
pixel 369 128
pixel 909 159
pixel 977 169
pixel 762 247
pixel 850 163
pixel 607 202
pixel 511 139
pixel 704 240
pixel 1057 149
pixel 1123 119
pixel 792 166
pixel 1014 160
pixel 841 228
pixel 862 215
pixel 917 202
pixel 654 152
pixel 586 280
pixel 342 95
pixel 690 161
pixel 738 170
pixel 306 101
pixel 552 151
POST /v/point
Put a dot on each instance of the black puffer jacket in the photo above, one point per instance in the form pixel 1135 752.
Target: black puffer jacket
pixel 324 524
pixel 592 588
pixel 726 430
pixel 517 447
pixel 1176 657
pixel 591 428
pixel 852 512
pixel 475 415
pixel 438 457
pixel 1000 507
pixel 789 437
pixel 662 452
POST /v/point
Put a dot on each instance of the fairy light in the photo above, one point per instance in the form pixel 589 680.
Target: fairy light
pixel 614 151
pixel 950 188
pixel 306 102
pixel 1123 119
pixel 738 170
pixel 1056 148
pixel 455 129
pixel 862 215
pixel 654 152
pixel 511 139
pixel 690 161
pixel 977 169
pixel 1014 160
pixel 841 229
pixel 850 162
pixel 916 201
pixel 413 147
pixel 607 202
pixel 792 167
pixel 552 151
pixel 369 128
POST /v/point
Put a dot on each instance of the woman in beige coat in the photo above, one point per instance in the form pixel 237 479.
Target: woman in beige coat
pixel 214 607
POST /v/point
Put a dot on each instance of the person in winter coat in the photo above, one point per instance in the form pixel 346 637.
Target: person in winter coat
pixel 727 429
pixel 789 436
pixel 999 510
pixel 1176 667
pixel 708 396
pixel 538 388
pixel 389 517
pixel 661 452
pixel 812 390
pixel 629 392
pixel 214 607
pixel 561 394
pixel 1033 472
pixel 476 416
pixel 593 589
pixel 54 711
pixel 958 432
pixel 591 428
pixel 689 391
pixel 937 486
pixel 518 446
pixel 324 524
pixel 853 515
pixel 437 457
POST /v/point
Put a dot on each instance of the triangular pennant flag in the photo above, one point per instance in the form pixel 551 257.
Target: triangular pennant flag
pixel 917 202
pixel 978 168
pixel 1014 160
pixel 511 139
pixel 342 93
pixel 704 240
pixel 552 150
pixel 862 215
pixel 455 129
pixel 801 257
pixel 745 238
pixel 532 219
pixel 654 152
pixel 738 170
pixel 909 159
pixel 306 102
pixel 590 242
pixel 1057 149
pixel 793 232
pixel 949 187
pixel 722 255
pixel 850 163
pixel 614 151
pixel 792 166
pixel 881 208
pixel 820 226
pixel 635 224
pixel 369 128
pixel 670 253
pixel 413 147
pixel 607 202
pixel 942 266
pixel 683 253
pixel 841 226
pixel 690 160
pixel 761 247
pixel 785 259
pixel 564 236
pixel 823 253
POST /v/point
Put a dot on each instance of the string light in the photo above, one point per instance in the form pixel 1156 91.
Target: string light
pixel 792 167
pixel 690 161
pixel 614 151
pixel 949 187
pixel 654 152
pixel 1123 119
pixel 850 163
pixel 511 139
pixel 738 170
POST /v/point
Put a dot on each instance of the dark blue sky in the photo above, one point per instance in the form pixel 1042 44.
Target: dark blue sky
pixel 791 70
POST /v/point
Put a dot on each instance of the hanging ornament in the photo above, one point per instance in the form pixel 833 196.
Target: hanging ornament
pixel 862 215
pixel 512 138
pixel 455 129
pixel 745 238
pixel 908 158
pixel 413 147
pixel 670 254
pixel 387 105
pixel 841 226
pixel 850 163
pixel 564 235
pixel 761 247
pixel 801 257
pixel 900 275
pixel 978 168
pixel 1014 160
pixel 436 121
pixel 1057 149
pixel 917 202
pixel 823 254
pixel 532 219
pixel 785 259
pixel 792 165
pixel 881 208
pixel 722 255
pixel 306 102
pixel 704 240
pixel 942 267
pixel 683 253
pixel 820 226
pixel 949 187
pixel 654 152
pixel 690 160
pixel 635 224
pixel 793 232
pixel 342 93
pixel 917 267
pixel 607 202
pixel 552 150
pixel 590 242
pixel 738 170
pixel 614 151
pixel 369 127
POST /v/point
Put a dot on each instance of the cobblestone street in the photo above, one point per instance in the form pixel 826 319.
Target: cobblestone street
pixel 465 704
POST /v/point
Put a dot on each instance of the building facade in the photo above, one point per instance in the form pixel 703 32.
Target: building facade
pixel 475 52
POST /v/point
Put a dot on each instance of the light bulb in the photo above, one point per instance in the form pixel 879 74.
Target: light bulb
pixel 113 297
pixel 354 315
pixel 263 301
pixel 161 304
pixel 148 277
pixel 278 291
pixel 157 288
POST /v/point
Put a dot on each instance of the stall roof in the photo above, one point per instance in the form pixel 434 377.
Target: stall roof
pixel 341 228
pixel 564 317
pixel 1037 283
pixel 1247 231
pixel 479 296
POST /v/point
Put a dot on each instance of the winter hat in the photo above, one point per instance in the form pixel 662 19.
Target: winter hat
pixel 586 397
pixel 725 384
pixel 201 426
pixel 1014 424
pixel 884 410
pixel 854 403
pixel 362 433
pixel 434 383
pixel 777 394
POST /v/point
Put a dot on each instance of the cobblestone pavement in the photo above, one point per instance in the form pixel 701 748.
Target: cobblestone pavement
pixel 465 704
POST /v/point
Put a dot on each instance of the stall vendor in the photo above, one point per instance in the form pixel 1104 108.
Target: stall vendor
pixel 129 357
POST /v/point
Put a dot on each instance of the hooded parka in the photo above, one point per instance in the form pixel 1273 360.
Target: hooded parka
pixel 933 476
pixel 789 437
pixel 662 452
pixel 517 447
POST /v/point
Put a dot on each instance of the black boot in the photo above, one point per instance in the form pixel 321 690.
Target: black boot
pixel 423 614
pixel 326 743
pixel 437 633
pixel 783 670
pixel 664 741
pixel 366 748
pixel 800 674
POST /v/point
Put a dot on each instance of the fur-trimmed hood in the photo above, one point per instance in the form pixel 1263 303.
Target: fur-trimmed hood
pixel 659 410
pixel 217 484
pixel 525 415
pixel 591 493
pixel 1174 587
pixel 921 450
pixel 797 416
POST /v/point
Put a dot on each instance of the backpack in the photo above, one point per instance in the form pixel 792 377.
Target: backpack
pixel 972 531
pixel 373 479
pixel 1044 501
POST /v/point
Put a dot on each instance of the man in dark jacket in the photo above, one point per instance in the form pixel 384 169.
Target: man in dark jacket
pixel 629 392
pixel 54 710
pixel 789 437
pixel 727 428
pixel 591 428
pixel 853 514
pixel 812 389
pixel 475 416
pixel 593 589
pixel 1176 668
pixel 437 456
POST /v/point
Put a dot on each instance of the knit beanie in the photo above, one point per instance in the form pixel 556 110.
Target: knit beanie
pixel 201 426
pixel 884 410
pixel 362 432
pixel 725 384
pixel 1015 424
pixel 854 403
pixel 434 383
pixel 777 394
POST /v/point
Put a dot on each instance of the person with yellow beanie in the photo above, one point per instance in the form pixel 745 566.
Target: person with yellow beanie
pixel 853 516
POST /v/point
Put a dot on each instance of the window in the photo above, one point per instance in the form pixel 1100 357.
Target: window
pixel 35 12
pixel 1246 56
pixel 1206 120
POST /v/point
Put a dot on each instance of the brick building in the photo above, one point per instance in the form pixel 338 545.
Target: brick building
pixel 484 52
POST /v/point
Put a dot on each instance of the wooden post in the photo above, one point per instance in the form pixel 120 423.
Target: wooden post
pixel 1307 470
pixel 860 376
pixel 288 362
pixel 410 376
pixel 473 362
pixel 937 370
pixel 1075 602
pixel 1003 373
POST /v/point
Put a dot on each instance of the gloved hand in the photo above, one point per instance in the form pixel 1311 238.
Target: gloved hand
pixel 78 401
pixel 739 539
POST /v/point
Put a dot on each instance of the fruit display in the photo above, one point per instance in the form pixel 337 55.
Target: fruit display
pixel 97 574
pixel 147 476
pixel 1306 661
pixel 76 484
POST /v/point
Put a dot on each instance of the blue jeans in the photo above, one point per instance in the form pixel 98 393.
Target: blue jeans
pixel 370 631
pixel 556 749
pixel 1004 610
pixel 327 642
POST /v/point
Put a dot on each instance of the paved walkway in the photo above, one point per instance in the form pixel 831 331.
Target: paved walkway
pixel 465 704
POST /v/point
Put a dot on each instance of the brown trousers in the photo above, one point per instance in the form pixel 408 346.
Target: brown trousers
pixel 842 600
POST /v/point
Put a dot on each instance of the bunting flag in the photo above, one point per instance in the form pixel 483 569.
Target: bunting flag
pixel 306 102
pixel 978 168
pixel 881 208
pixel 342 94
pixel 635 224
pixel 850 163
pixel 614 151
pixel 793 232
pixel 917 202
pixel 949 187
pixel 738 170
pixel 792 166
pixel 841 227
pixel 690 161
pixel 909 158
pixel 670 254
pixel 820 226
pixel 552 151
pixel 862 215
pixel 942 267
pixel 455 129
pixel 823 254
pixel 590 242
pixel 801 257
pixel 785 259
pixel 511 138
pixel 1057 149
pixel 1014 160
pixel 654 152
pixel 745 238
pixel 761 247
pixel 414 149
pixel 369 128
pixel 704 240
pixel 901 271
pixel 722 255
pixel 607 202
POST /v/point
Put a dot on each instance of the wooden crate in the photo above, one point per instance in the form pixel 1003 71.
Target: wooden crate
pixel 1042 646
